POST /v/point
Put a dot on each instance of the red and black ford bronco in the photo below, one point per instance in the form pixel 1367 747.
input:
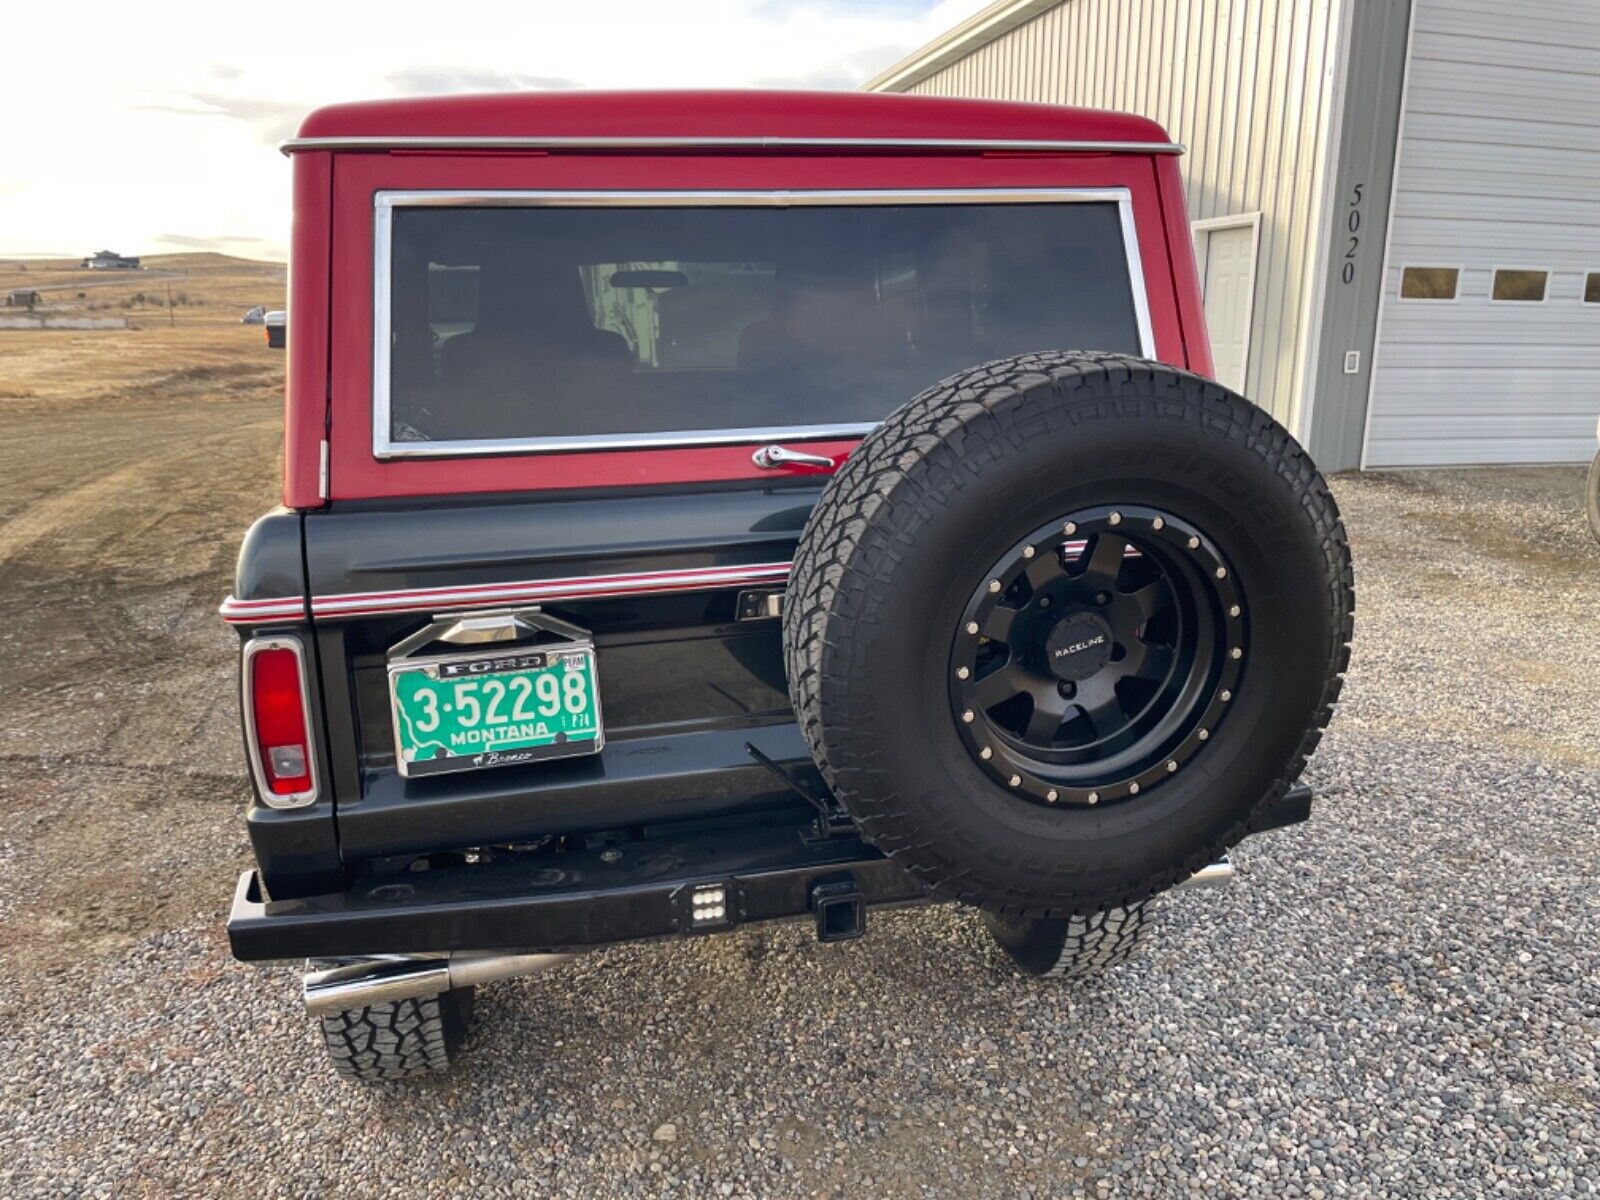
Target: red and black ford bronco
pixel 703 509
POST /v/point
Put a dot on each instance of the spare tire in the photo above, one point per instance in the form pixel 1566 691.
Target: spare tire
pixel 1062 625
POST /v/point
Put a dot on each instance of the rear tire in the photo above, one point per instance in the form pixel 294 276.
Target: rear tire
pixel 401 1040
pixel 1072 947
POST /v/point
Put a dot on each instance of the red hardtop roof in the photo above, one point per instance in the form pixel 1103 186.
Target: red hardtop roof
pixel 717 115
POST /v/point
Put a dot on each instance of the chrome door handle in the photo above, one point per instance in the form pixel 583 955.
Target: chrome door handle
pixel 770 457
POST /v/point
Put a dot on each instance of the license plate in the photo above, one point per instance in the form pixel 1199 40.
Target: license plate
pixel 483 710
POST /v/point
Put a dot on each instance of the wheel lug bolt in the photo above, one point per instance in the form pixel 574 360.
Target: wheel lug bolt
pixel 968 716
pixel 1027 552
pixel 1171 766
pixel 1236 653
pixel 1116 518
pixel 1052 795
pixel 1194 543
pixel 1204 734
pixel 1101 598
pixel 1158 523
pixel 986 754
pixel 1234 611
pixel 1226 696
pixel 994 585
pixel 972 627
pixel 1222 572
pixel 1067 688
pixel 1094 797
pixel 962 672
pixel 1015 781
pixel 1069 528
pixel 1133 789
pixel 1044 601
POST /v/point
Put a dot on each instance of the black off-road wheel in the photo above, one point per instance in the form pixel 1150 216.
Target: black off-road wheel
pixel 1062 625
pixel 1072 947
pixel 400 1040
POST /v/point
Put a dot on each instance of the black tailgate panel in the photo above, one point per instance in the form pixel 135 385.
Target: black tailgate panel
pixel 683 682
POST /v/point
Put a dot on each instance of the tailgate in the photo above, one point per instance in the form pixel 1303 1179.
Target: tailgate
pixel 686 681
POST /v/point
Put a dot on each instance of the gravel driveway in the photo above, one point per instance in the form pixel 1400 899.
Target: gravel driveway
pixel 1401 998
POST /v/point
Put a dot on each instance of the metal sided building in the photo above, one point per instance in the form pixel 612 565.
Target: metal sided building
pixel 1395 203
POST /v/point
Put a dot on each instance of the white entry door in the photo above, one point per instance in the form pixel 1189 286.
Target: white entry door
pixel 1225 252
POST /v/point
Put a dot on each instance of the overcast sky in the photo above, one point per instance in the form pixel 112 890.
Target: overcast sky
pixel 150 128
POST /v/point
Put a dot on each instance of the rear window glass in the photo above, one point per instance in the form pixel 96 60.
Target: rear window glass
pixel 624 325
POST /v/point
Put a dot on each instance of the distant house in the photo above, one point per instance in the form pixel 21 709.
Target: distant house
pixel 22 298
pixel 110 260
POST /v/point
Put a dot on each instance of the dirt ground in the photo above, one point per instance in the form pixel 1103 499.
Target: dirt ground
pixel 131 462
pixel 196 289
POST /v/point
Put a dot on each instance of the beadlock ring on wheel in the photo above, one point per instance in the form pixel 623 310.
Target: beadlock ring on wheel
pixel 1098 655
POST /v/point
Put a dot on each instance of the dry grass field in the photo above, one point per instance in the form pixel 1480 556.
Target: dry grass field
pixel 198 331
pixel 201 284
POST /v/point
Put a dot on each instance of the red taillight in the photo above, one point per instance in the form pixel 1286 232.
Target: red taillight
pixel 275 698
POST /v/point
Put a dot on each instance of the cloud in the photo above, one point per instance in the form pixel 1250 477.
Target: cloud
pixel 270 120
pixel 783 10
pixel 842 73
pixel 438 81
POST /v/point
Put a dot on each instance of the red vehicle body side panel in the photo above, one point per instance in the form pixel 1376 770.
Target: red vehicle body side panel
pixel 306 393
pixel 723 114
pixel 1185 274
pixel 356 473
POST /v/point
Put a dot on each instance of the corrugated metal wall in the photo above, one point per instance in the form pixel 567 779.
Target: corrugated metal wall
pixel 1499 167
pixel 1247 85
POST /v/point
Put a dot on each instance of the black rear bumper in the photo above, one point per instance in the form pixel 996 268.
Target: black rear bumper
pixel 581 898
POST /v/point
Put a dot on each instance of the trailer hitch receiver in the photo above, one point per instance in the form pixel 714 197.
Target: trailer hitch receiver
pixel 839 908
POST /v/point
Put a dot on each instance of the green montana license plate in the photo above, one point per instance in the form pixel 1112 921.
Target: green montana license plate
pixel 494 710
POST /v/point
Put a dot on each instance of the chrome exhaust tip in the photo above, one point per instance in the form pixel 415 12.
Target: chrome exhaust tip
pixel 1215 875
pixel 383 979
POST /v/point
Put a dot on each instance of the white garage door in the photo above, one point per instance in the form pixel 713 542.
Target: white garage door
pixel 1498 191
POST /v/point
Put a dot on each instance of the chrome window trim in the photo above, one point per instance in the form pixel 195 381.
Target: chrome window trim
pixel 688 142
pixel 386 201
pixel 247 659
